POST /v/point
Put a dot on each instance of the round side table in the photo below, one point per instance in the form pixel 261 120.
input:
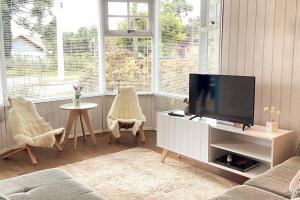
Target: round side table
pixel 81 112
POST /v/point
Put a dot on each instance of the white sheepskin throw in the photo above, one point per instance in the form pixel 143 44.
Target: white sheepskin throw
pixel 126 109
pixel 28 127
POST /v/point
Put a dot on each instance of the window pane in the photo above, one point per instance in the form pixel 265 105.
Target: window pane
pixel 118 23
pixel 139 23
pixel 179 53
pixel 48 38
pixel 138 9
pixel 117 8
pixel 182 40
pixel 128 63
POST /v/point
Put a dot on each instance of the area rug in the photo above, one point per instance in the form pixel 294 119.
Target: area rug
pixel 137 173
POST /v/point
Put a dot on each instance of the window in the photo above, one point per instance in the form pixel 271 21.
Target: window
pixel 49 46
pixel 185 47
pixel 128 18
pixel 128 41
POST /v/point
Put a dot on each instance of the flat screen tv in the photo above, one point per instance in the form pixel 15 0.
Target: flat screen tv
pixel 223 97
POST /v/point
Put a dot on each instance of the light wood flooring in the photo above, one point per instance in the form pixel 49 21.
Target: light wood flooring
pixel 48 158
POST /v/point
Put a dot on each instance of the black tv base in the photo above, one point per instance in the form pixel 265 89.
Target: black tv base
pixel 195 116
pixel 246 125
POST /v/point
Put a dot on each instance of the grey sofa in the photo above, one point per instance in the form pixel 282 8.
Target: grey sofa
pixel 51 184
pixel 272 185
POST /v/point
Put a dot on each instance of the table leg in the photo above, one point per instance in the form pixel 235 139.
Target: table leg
pixel 75 133
pixel 72 117
pixel 82 127
pixel 89 126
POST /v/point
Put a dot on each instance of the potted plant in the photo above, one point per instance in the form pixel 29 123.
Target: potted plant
pixel 273 115
pixel 77 89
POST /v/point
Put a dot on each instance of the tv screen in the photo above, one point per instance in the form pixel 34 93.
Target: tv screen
pixel 223 97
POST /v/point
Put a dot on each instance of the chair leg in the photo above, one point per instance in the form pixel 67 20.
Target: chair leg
pixel 12 152
pixel 31 155
pixel 58 146
pixel 142 134
pixel 109 137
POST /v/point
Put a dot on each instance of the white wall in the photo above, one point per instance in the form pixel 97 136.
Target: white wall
pixel 261 38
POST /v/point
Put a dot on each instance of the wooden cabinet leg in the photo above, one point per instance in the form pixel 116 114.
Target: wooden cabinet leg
pixel 164 155
pixel 31 155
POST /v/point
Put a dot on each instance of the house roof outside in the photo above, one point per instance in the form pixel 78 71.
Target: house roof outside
pixel 36 41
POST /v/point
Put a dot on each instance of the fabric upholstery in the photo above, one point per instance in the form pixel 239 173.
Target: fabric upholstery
pixel 3 197
pixel 46 185
pixel 248 193
pixel 27 127
pixel 126 109
pixel 277 179
pixel 295 183
pixel 296 194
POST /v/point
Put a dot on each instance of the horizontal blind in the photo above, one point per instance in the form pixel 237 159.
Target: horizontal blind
pixel 189 42
pixel 49 45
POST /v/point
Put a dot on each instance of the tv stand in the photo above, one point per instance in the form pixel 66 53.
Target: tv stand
pixel 246 125
pixel 205 141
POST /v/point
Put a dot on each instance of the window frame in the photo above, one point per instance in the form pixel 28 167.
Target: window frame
pixel 128 33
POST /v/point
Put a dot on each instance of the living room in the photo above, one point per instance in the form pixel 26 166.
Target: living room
pixel 149 99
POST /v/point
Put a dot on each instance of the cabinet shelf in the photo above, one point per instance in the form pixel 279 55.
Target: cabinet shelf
pixel 249 174
pixel 241 147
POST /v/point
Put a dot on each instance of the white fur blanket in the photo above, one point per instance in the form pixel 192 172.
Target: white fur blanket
pixel 28 127
pixel 126 109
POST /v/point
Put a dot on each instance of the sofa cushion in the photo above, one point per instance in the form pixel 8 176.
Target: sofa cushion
pixel 295 183
pixel 244 192
pixel 3 197
pixel 277 179
pixel 296 194
pixel 47 185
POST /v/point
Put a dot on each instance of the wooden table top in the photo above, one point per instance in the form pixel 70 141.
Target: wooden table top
pixel 81 106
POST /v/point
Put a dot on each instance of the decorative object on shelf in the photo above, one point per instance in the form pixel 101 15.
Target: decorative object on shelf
pixel 78 89
pixel 272 124
pixel 186 106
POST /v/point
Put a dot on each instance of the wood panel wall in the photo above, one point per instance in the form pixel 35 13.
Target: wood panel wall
pixel 261 38
pixel 58 118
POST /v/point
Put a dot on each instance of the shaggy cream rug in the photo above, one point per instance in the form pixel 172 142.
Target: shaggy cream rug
pixel 137 173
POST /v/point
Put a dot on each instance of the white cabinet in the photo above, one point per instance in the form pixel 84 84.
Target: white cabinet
pixel 205 141
pixel 182 136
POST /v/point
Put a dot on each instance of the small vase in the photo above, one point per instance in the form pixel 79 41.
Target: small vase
pixel 76 102
pixel 271 127
pixel 186 110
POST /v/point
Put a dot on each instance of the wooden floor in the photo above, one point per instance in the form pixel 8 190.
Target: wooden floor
pixel 49 158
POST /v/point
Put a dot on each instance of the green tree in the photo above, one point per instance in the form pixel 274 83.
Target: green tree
pixel 29 14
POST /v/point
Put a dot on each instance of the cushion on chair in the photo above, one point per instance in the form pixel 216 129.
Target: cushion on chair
pixel 125 109
pixel 27 127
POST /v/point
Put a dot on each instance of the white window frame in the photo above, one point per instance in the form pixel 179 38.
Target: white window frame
pixel 128 33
